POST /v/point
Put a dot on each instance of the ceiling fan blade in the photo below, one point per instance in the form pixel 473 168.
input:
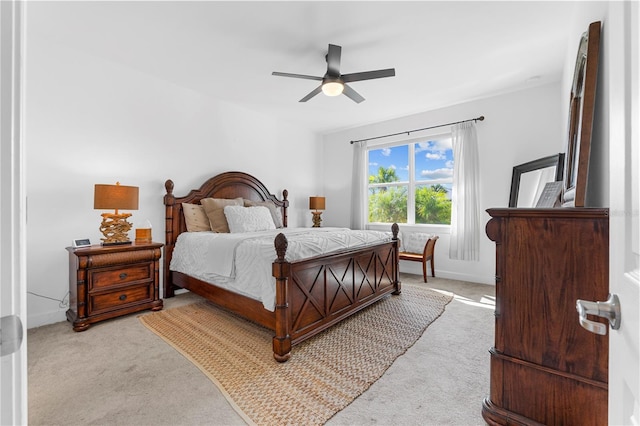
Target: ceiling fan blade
pixel 333 60
pixel 312 94
pixel 308 77
pixel 368 75
pixel 351 94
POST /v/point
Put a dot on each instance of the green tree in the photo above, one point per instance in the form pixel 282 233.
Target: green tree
pixel 387 204
pixel 439 188
pixel 384 175
pixel 432 205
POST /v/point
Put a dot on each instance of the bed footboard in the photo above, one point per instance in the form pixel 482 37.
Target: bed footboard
pixel 313 294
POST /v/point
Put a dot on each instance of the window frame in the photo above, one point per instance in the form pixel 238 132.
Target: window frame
pixel 411 183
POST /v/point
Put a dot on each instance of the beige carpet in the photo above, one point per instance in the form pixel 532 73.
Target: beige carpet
pixel 324 374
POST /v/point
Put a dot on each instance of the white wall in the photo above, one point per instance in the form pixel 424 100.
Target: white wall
pixel 518 127
pixel 90 121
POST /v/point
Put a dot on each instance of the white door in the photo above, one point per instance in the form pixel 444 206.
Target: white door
pixel 624 280
pixel 13 358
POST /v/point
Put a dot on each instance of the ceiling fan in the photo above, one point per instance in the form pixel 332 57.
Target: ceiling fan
pixel 334 83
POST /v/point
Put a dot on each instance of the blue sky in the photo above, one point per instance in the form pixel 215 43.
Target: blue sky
pixel 434 160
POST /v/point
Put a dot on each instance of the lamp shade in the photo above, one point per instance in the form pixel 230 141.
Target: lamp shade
pixel 117 197
pixel 316 203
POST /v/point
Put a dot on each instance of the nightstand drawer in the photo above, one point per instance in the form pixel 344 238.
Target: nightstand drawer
pixel 121 298
pixel 102 278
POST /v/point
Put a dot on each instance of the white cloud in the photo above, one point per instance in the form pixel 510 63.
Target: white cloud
pixel 374 164
pixel 386 151
pixel 439 145
pixel 392 166
pixel 449 164
pixel 422 146
pixel 435 156
pixel 438 175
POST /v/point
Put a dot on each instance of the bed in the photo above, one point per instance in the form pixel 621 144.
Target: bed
pixel 311 294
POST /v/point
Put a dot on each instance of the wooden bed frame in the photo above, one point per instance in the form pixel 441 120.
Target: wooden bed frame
pixel 311 294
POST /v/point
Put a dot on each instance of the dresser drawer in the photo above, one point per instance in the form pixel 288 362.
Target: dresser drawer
pixel 101 302
pixel 109 277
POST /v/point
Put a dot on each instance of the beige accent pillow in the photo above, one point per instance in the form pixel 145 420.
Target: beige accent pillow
pixel 276 213
pixel 195 218
pixel 214 208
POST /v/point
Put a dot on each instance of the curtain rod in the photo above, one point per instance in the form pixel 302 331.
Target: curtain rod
pixel 408 132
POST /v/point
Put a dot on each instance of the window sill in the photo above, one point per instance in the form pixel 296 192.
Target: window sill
pixel 433 229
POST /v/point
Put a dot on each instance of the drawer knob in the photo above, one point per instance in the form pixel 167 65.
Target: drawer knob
pixel 123 276
pixel 123 297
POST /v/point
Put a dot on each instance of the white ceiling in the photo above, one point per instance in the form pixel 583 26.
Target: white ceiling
pixel 444 52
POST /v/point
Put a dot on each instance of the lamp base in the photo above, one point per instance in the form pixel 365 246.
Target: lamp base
pixel 316 219
pixel 115 228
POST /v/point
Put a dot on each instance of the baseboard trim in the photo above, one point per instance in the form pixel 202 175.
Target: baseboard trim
pixel 416 269
pixel 46 318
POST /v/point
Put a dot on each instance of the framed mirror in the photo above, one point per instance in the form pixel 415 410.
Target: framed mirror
pixel 529 179
pixel 581 107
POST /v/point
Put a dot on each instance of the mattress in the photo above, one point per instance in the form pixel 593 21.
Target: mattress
pixel 242 262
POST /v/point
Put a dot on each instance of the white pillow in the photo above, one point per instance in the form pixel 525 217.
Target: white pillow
pixel 248 219
pixel 401 238
pixel 276 212
pixel 414 242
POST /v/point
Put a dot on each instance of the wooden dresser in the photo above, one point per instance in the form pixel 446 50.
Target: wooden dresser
pixel 106 282
pixel 545 368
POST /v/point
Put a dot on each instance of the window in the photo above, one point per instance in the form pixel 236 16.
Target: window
pixel 411 182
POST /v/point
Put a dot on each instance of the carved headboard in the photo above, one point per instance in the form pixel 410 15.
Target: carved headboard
pixel 224 185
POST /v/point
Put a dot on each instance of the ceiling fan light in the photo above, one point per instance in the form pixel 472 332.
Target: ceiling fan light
pixel 332 88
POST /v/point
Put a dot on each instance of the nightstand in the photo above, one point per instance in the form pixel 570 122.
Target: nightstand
pixel 110 281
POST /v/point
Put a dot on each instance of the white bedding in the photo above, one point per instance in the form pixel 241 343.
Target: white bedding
pixel 242 262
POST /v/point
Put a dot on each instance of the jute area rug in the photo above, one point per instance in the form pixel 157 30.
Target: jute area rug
pixel 324 373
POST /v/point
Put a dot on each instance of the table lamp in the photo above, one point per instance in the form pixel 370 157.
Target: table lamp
pixel 115 227
pixel 316 203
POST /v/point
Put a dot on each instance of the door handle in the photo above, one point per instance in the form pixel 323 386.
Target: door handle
pixel 609 309
pixel 10 334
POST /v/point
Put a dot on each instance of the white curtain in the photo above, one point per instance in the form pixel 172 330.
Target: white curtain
pixel 359 186
pixel 465 209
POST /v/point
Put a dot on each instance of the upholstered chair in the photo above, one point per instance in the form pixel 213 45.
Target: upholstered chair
pixel 419 247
